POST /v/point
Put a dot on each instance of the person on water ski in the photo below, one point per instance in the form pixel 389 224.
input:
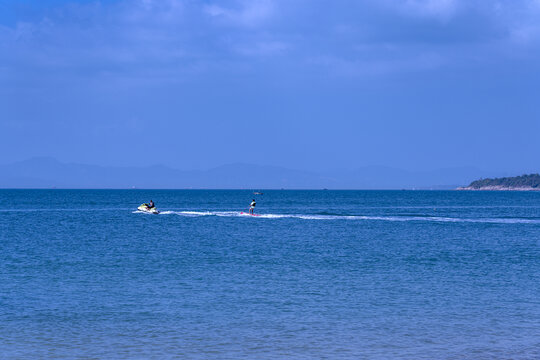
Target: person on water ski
pixel 151 205
pixel 252 206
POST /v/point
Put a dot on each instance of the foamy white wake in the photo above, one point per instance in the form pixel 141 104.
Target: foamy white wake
pixel 352 217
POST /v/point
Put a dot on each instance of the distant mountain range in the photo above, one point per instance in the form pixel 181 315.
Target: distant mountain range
pixel 50 173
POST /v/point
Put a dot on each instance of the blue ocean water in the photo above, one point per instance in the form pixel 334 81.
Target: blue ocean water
pixel 321 274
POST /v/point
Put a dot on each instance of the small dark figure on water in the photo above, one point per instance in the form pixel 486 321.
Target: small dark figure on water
pixel 252 206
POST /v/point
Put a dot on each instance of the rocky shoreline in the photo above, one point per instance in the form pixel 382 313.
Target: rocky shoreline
pixel 517 183
pixel 498 188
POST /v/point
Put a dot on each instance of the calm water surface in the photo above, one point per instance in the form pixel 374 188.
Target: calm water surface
pixel 321 274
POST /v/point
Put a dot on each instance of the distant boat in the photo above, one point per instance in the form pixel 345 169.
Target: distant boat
pixel 257 193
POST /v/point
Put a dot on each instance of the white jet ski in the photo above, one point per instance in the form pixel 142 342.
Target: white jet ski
pixel 145 208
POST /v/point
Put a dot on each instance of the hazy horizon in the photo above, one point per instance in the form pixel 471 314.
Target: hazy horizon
pixel 327 170
pixel 330 169
pixel 47 172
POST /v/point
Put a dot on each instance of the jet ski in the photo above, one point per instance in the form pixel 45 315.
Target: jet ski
pixel 146 209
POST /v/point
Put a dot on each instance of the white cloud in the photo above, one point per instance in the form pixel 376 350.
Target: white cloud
pixel 249 13
pixel 161 36
pixel 153 11
pixel 440 9
pixel 525 34
pixel 522 22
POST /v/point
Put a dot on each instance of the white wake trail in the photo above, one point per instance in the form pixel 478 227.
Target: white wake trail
pixel 352 217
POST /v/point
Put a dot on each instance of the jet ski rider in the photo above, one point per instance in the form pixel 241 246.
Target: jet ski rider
pixel 252 206
pixel 151 205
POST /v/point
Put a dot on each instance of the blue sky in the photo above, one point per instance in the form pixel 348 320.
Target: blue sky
pixel 303 84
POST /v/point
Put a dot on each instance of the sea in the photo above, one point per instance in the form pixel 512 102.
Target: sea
pixel 319 275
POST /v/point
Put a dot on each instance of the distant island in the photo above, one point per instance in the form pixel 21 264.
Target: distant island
pixel 519 183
